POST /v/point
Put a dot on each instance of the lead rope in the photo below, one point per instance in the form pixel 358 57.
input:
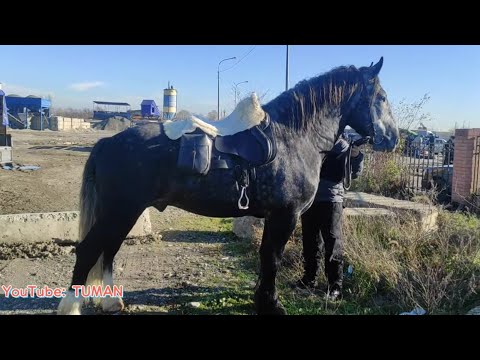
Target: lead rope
pixel 348 169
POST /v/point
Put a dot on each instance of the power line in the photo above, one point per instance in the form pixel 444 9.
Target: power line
pixel 243 57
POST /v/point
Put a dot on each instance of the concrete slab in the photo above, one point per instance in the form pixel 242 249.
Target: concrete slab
pixel 41 227
pixel 425 215
pixel 250 227
pixel 369 212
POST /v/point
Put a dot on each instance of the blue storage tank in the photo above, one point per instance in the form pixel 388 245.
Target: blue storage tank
pixel 169 103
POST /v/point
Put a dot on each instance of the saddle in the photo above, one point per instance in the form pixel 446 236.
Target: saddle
pixel 201 152
pixel 255 145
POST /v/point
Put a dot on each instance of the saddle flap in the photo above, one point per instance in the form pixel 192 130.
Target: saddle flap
pixel 195 154
pixel 248 145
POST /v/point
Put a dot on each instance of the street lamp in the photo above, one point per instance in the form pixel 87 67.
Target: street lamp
pixel 218 88
pixel 243 82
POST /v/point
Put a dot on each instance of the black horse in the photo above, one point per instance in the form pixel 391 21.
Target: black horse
pixel 138 168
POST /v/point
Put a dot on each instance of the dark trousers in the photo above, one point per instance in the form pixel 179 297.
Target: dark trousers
pixel 322 228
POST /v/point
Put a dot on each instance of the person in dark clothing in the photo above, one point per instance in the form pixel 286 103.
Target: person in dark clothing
pixel 448 151
pixel 322 223
pixel 431 144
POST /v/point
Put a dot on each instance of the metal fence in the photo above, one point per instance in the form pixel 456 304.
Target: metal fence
pixel 422 167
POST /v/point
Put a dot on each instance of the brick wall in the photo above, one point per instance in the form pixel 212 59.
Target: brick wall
pixel 464 165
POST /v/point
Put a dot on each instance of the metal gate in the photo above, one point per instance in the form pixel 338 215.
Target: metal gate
pixel 425 167
pixel 476 168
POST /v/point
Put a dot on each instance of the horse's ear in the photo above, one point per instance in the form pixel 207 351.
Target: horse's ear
pixel 371 64
pixel 375 69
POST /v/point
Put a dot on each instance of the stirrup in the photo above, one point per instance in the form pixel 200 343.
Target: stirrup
pixel 243 194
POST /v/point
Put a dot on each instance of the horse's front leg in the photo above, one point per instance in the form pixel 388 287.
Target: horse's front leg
pixel 278 229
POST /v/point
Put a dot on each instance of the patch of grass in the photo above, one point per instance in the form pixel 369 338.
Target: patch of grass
pixel 395 268
pixel 383 175
pixel 203 223
pixel 315 305
pixel 235 301
pixel 229 294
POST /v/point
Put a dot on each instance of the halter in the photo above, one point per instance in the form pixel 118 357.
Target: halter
pixel 375 138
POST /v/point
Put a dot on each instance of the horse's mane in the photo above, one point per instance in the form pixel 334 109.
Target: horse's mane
pixel 316 96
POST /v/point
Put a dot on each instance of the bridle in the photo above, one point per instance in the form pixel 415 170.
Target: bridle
pixel 363 97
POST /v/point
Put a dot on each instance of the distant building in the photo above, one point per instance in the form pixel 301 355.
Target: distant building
pixel 149 108
pixel 103 110
pixel 22 109
pixel 444 134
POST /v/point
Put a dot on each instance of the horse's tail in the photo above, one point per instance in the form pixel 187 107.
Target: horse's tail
pixel 89 213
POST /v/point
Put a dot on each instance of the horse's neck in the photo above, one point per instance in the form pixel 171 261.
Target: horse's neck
pixel 326 131
pixel 321 131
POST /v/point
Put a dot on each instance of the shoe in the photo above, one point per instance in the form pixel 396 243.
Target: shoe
pixel 335 293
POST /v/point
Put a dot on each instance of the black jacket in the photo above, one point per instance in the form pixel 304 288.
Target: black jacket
pixel 331 187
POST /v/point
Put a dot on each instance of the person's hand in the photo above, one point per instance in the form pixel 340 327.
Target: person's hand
pixel 361 141
pixel 355 151
pixel 356 145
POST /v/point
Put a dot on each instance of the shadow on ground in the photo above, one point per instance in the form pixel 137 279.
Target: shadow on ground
pixel 190 300
pixel 189 236
pixel 69 148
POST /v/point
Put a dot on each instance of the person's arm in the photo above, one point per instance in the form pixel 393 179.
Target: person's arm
pixel 357 162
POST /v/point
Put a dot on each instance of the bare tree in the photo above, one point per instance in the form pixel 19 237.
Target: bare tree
pixel 411 114
pixel 84 113
pixel 212 115
pixel 183 114
pixel 263 97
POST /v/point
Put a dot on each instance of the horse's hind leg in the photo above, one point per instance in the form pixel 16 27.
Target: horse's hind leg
pixel 114 303
pixel 277 231
pixel 87 254
pixel 102 241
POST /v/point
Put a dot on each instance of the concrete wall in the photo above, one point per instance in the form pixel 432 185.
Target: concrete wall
pixel 40 227
pixel 464 166
pixel 62 123
pixel 5 154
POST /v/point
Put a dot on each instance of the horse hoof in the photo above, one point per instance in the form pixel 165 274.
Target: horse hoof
pixel 269 307
pixel 276 309
pixel 70 305
pixel 112 304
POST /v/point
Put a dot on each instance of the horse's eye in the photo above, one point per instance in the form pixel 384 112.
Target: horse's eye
pixel 383 98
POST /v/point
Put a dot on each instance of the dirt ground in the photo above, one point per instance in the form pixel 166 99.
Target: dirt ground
pixel 180 260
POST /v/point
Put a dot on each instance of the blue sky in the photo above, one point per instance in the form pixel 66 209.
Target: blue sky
pixel 76 75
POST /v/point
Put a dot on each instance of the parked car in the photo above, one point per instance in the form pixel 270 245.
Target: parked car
pixel 439 146
pixel 449 151
pixel 423 152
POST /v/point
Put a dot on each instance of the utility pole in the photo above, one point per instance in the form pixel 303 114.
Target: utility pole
pixel 286 72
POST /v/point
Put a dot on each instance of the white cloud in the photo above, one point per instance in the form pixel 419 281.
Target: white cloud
pixel 86 85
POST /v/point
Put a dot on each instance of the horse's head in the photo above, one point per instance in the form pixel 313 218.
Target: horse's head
pixel 371 115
